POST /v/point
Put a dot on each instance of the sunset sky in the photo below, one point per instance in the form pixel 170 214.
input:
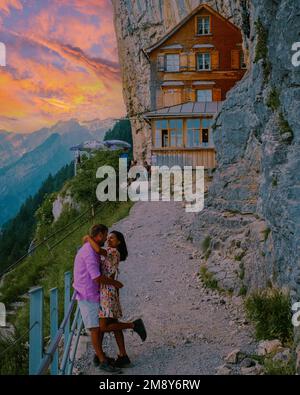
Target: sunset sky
pixel 62 63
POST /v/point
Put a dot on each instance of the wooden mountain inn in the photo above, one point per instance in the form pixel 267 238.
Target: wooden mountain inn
pixel 192 69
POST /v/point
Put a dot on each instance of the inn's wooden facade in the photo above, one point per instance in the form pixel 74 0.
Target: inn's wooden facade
pixel 199 61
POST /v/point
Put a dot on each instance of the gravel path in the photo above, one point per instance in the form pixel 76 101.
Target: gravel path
pixel 190 329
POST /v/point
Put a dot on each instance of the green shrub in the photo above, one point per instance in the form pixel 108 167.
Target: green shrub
pixel 242 271
pixel 83 186
pixel 261 50
pixel 270 310
pixel 13 353
pixel 208 278
pixel 274 182
pixel 274 99
pixel 285 128
pixel 266 233
pixel 243 290
pixel 206 243
pixel 240 256
pixel 279 368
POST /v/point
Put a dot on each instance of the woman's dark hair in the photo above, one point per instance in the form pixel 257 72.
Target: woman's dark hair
pixel 122 247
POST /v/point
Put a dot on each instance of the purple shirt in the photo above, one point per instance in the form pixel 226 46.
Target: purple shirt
pixel 86 270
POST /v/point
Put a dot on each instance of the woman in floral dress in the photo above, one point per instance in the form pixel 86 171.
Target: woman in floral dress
pixel 110 306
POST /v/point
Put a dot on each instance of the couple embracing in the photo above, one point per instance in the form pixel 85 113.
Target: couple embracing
pixel 97 292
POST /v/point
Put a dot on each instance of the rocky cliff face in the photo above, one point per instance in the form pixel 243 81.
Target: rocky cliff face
pixel 252 219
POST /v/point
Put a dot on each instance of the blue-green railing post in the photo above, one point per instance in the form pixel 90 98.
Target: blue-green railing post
pixel 54 327
pixel 36 329
pixel 67 304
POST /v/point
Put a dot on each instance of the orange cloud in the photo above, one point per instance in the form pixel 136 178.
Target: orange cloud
pixel 60 66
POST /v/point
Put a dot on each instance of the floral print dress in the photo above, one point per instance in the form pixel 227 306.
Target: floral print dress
pixel 110 306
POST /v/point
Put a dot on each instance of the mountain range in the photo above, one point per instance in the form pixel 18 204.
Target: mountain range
pixel 27 159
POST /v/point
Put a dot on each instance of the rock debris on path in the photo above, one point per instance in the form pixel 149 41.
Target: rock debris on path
pixel 190 329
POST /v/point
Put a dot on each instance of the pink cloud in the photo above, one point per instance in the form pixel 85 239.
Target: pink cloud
pixel 7 5
pixel 62 65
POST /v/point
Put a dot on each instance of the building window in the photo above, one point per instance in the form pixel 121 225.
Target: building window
pixel 176 132
pixel 204 95
pixel 198 133
pixel 193 133
pixel 242 60
pixel 203 25
pixel 169 133
pixel 205 132
pixel 172 63
pixel 203 61
pixel 161 127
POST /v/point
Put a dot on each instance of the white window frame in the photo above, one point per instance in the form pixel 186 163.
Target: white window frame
pixel 202 56
pixel 175 66
pixel 174 136
pixel 203 31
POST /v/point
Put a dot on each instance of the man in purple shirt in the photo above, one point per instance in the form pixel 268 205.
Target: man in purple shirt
pixel 87 280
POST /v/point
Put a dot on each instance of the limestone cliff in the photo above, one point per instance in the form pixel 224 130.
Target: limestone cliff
pixel 252 216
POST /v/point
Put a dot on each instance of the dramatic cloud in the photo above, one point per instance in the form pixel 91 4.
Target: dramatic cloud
pixel 7 5
pixel 61 63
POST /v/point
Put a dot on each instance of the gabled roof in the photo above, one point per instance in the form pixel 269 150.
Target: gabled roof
pixel 184 21
pixel 191 109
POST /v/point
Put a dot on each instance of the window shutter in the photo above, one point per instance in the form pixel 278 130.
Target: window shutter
pixel 215 60
pixel 172 97
pixel 183 62
pixel 235 59
pixel 190 95
pixel 160 62
pixel 185 95
pixel 192 61
pixel 193 95
pixel 217 94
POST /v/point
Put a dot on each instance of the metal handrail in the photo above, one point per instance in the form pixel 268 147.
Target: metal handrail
pixel 65 359
pixel 49 354
pixel 74 351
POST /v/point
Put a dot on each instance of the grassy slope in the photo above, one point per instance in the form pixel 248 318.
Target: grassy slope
pixel 46 268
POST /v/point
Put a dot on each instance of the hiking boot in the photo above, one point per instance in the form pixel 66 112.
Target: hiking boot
pixel 123 362
pixel 107 367
pixel 140 329
pixel 96 361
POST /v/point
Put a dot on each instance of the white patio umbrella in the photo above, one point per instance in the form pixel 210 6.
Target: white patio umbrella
pixel 116 144
pixel 89 145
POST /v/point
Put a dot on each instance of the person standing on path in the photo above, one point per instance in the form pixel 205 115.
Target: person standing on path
pixel 87 280
pixel 110 306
